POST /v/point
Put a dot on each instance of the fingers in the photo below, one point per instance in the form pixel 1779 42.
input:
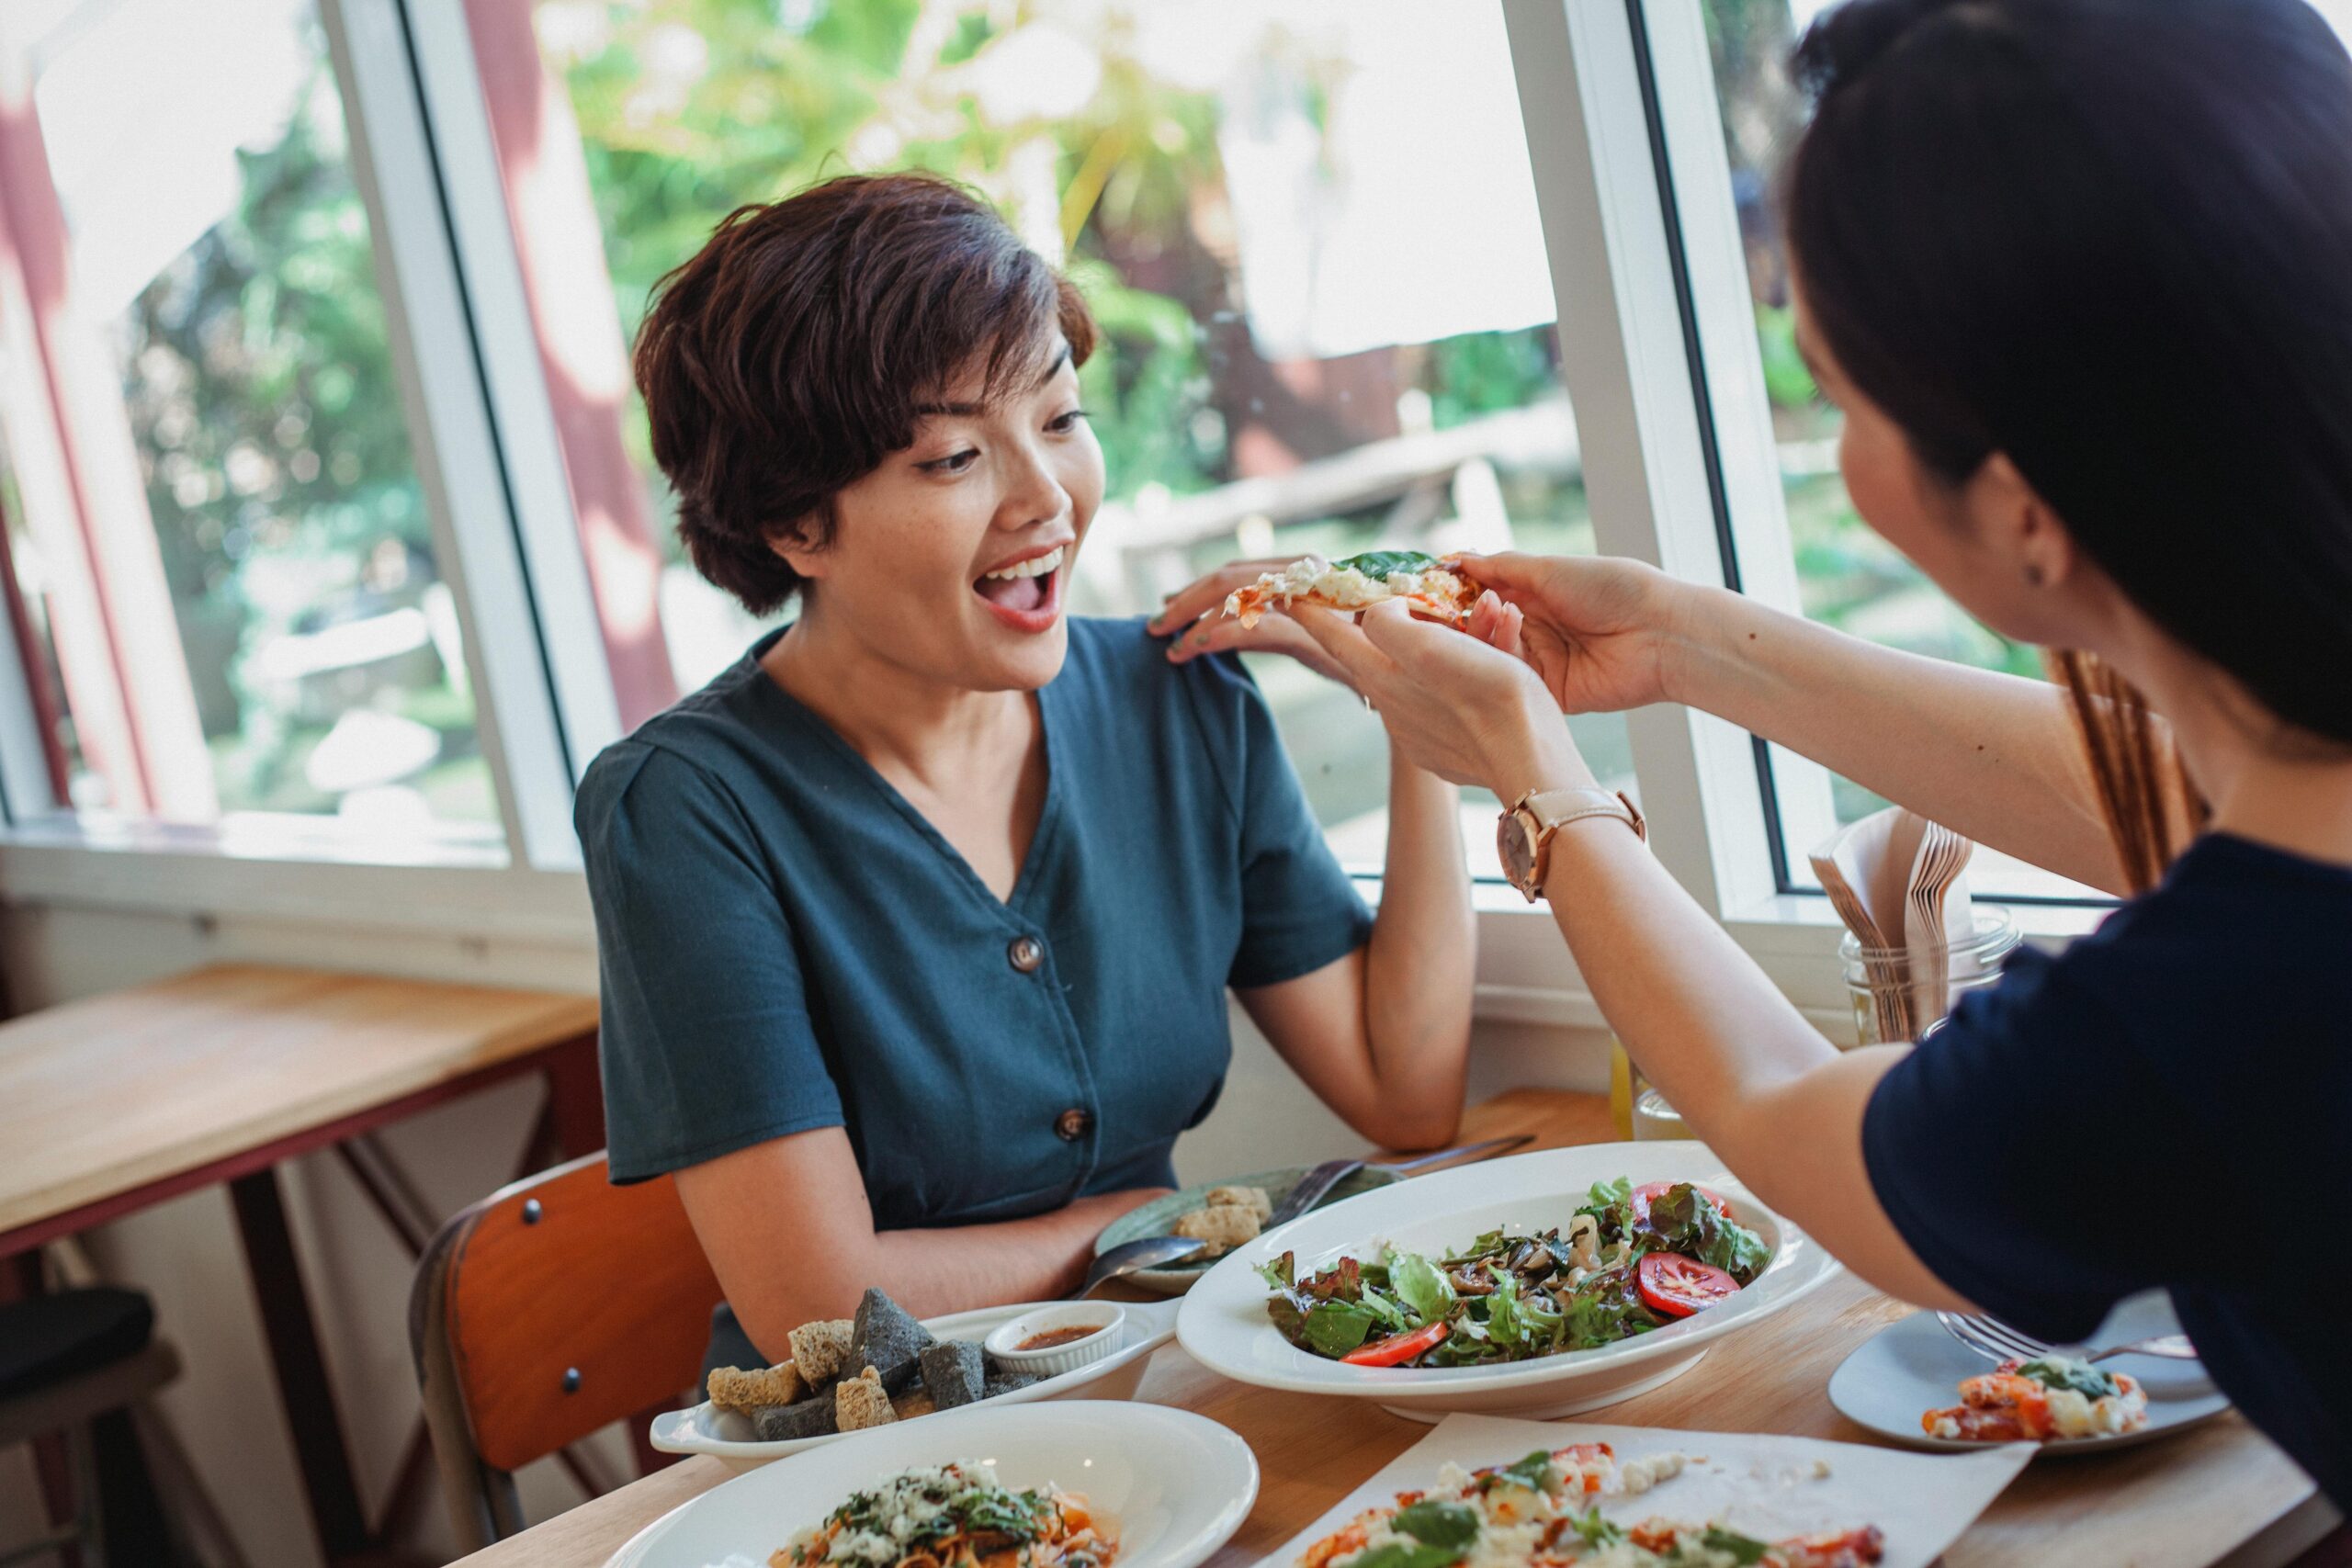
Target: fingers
pixel 1346 645
pixel 1196 599
pixel 1495 623
pixel 1393 630
pixel 1275 634
pixel 1513 570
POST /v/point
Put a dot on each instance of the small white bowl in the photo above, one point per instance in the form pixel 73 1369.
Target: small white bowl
pixel 1102 1318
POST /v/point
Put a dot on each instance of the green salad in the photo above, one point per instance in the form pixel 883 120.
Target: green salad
pixel 1631 1260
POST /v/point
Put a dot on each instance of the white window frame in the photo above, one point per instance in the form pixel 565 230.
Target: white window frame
pixel 543 703
pixel 1648 351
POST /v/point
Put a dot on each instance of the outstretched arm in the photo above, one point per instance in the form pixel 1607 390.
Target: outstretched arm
pixel 1740 1065
pixel 1381 1035
pixel 1991 756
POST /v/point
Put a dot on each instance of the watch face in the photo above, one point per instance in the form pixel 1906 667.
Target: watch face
pixel 1516 848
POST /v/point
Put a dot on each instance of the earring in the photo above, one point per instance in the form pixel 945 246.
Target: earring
pixel 2033 578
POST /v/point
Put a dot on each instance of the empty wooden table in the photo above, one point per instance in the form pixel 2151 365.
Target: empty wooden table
pixel 122 1101
pixel 2221 1494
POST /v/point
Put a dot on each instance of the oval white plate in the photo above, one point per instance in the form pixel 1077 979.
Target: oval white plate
pixel 1149 1325
pixel 1176 1484
pixel 1224 1324
pixel 1909 1368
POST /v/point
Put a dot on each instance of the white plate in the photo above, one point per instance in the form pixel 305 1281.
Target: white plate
pixel 1909 1368
pixel 1177 1485
pixel 1149 1325
pixel 1225 1327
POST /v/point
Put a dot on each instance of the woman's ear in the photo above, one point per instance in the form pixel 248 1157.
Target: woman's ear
pixel 2011 516
pixel 790 541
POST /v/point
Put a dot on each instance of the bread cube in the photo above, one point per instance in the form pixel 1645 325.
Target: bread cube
pixel 820 1350
pixel 733 1389
pixel 861 1401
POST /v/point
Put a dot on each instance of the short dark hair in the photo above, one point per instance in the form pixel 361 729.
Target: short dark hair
pixel 788 357
pixel 2112 239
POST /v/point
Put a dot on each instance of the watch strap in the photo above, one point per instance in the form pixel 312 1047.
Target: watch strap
pixel 1555 809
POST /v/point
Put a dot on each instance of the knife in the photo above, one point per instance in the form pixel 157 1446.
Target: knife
pixel 1317 1184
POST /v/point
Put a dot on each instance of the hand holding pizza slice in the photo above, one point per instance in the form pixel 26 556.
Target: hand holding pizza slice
pixel 1426 583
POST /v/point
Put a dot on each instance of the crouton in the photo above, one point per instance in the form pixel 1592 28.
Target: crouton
pixel 820 1350
pixel 1223 1228
pixel 1251 1198
pixel 953 1372
pixel 812 1417
pixel 860 1402
pixel 886 1337
pixel 733 1388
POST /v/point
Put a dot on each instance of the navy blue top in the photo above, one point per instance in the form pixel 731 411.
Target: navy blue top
pixel 2166 1104
pixel 786 943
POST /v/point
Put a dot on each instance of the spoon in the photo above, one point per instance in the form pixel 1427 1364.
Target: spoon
pixel 1134 1257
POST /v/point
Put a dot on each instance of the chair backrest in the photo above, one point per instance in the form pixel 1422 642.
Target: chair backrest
pixel 546 1311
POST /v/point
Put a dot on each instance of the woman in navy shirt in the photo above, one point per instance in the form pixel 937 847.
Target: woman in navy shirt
pixel 2080 274
pixel 916 926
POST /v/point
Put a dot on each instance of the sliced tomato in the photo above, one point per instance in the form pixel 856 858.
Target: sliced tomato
pixel 1397 1348
pixel 1648 1190
pixel 1678 1286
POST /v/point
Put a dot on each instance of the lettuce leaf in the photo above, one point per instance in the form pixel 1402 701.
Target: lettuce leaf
pixel 1421 1285
pixel 1379 564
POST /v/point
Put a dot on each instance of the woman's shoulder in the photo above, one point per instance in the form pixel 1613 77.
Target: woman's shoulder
pixel 2238 940
pixel 687 753
pixel 1120 659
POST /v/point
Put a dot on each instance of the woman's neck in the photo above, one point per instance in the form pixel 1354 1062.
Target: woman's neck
pixel 909 727
pixel 2281 795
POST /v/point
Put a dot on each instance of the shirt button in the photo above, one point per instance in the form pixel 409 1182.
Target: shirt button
pixel 1025 954
pixel 1071 1125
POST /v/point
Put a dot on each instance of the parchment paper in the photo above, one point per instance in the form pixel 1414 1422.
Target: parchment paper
pixel 1761 1487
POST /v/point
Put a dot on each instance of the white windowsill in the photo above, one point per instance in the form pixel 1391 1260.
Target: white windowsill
pixel 290 869
pixel 1525 974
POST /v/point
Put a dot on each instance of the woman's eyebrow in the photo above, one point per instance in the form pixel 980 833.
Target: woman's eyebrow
pixel 974 410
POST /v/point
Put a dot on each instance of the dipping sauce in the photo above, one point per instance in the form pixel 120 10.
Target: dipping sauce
pixel 1055 1336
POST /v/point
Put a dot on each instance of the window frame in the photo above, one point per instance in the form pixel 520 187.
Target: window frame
pixel 1661 367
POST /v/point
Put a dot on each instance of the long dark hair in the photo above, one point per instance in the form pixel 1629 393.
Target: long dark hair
pixel 2112 239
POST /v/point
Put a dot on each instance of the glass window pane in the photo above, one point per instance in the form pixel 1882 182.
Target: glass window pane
pixel 1849 577
pixel 1306 226
pixel 257 452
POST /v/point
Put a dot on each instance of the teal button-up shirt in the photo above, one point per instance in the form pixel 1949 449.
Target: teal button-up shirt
pixel 785 943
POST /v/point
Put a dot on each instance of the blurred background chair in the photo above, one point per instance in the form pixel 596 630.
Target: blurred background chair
pixel 73 1366
pixel 544 1312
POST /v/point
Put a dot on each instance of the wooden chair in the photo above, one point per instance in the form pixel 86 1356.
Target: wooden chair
pixel 546 1311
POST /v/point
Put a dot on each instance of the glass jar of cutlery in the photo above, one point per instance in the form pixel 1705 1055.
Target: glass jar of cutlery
pixel 1902 993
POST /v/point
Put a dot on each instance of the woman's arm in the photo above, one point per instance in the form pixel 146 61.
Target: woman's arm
pixel 1738 1062
pixel 1383 1035
pixel 787 1228
pixel 1993 757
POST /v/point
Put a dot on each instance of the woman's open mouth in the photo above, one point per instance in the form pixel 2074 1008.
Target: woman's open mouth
pixel 1028 594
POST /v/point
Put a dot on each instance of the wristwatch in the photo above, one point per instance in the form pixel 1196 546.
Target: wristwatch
pixel 1523 837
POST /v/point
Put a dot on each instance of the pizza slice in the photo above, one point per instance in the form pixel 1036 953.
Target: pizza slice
pixel 2056 1396
pixel 1430 585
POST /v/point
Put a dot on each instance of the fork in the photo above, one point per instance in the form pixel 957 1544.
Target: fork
pixel 1996 1340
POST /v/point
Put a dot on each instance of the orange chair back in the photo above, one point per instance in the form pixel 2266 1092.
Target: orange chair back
pixel 548 1310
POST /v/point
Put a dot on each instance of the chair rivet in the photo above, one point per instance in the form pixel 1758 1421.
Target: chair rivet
pixel 572 1380
pixel 530 1211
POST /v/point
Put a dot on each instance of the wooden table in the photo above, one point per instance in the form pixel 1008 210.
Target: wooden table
pixel 2222 1493
pixel 113 1104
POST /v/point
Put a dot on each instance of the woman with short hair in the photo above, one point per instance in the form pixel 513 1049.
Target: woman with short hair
pixel 916 925
pixel 2079 273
